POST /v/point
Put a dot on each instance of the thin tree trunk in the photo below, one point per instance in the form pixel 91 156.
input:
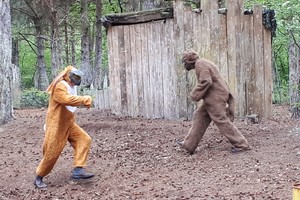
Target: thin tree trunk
pixel 98 70
pixel 85 53
pixel 73 46
pixel 6 77
pixel 66 34
pixel 16 74
pixel 42 81
pixel 294 80
pixel 56 58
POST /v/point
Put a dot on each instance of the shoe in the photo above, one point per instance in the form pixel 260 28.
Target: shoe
pixel 38 182
pixel 79 173
pixel 181 144
pixel 239 149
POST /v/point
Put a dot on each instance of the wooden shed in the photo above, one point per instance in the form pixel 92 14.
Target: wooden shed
pixel 147 78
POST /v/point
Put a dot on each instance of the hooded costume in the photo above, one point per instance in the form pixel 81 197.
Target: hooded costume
pixel 218 104
pixel 60 125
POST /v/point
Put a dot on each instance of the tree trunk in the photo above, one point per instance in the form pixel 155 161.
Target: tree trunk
pixel 6 97
pixel 66 34
pixel 56 58
pixel 98 70
pixel 16 74
pixel 294 80
pixel 41 76
pixel 85 53
pixel 73 46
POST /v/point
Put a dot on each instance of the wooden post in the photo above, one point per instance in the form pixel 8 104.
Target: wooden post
pixel 258 62
pixel 268 82
pixel 205 41
pixel 223 59
pixel 234 49
pixel 214 31
pixel 182 93
pixel 248 64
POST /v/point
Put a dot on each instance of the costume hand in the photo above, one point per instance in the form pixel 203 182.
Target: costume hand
pixel 87 101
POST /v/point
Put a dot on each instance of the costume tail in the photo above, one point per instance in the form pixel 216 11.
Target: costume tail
pixel 231 107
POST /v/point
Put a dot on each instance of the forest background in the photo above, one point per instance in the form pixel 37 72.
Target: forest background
pixel 49 35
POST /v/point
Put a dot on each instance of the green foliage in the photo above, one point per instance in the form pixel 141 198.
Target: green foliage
pixel 28 62
pixel 280 93
pixel 110 7
pixel 34 98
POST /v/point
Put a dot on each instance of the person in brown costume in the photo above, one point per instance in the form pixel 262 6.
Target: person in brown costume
pixel 61 127
pixel 217 106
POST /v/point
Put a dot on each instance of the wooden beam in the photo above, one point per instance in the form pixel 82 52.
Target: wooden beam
pixel 137 17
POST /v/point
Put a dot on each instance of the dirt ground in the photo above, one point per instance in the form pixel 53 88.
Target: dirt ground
pixel 138 159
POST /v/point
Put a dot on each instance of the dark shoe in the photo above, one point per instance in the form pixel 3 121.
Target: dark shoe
pixel 79 173
pixel 239 150
pixel 181 144
pixel 39 182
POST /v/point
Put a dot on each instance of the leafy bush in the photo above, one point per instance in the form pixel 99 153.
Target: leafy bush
pixel 33 98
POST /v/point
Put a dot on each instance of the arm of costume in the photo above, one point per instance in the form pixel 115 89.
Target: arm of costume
pixel 62 96
pixel 203 83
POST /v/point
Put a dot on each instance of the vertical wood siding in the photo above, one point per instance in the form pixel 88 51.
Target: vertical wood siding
pixel 147 78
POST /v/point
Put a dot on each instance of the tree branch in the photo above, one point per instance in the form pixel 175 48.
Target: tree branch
pixel 29 42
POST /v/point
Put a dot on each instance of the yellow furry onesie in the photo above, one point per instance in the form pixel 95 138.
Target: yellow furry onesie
pixel 61 127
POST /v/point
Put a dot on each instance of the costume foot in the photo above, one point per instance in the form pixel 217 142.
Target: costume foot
pixel 181 144
pixel 239 150
pixel 38 182
pixel 79 173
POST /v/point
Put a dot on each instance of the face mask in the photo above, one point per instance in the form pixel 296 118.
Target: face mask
pixel 75 79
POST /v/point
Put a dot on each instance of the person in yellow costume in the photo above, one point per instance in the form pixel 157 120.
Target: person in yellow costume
pixel 61 127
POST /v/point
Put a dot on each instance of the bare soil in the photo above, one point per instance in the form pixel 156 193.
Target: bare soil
pixel 138 159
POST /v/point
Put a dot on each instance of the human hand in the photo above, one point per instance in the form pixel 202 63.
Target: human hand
pixel 87 101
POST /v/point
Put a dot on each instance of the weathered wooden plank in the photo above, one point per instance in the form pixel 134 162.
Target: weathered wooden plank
pixel 145 70
pixel 117 83
pixel 168 96
pixel 173 81
pixel 137 17
pixel 179 10
pixel 233 28
pixel 223 65
pixel 135 100
pixel 138 67
pixel 247 63
pixel 128 63
pixel 122 71
pixel 107 100
pixel 214 31
pixel 197 42
pixel 151 64
pixel 100 99
pixel 197 31
pixel 155 71
pixel 258 63
pixel 188 44
pixel 164 70
pixel 239 68
pixel 268 72
pixel 158 71
pixel 205 41
pixel 112 66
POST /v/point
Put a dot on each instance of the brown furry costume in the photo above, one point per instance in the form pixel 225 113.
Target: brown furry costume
pixel 215 93
pixel 61 126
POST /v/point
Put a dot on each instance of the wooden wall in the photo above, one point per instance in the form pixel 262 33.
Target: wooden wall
pixel 147 77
